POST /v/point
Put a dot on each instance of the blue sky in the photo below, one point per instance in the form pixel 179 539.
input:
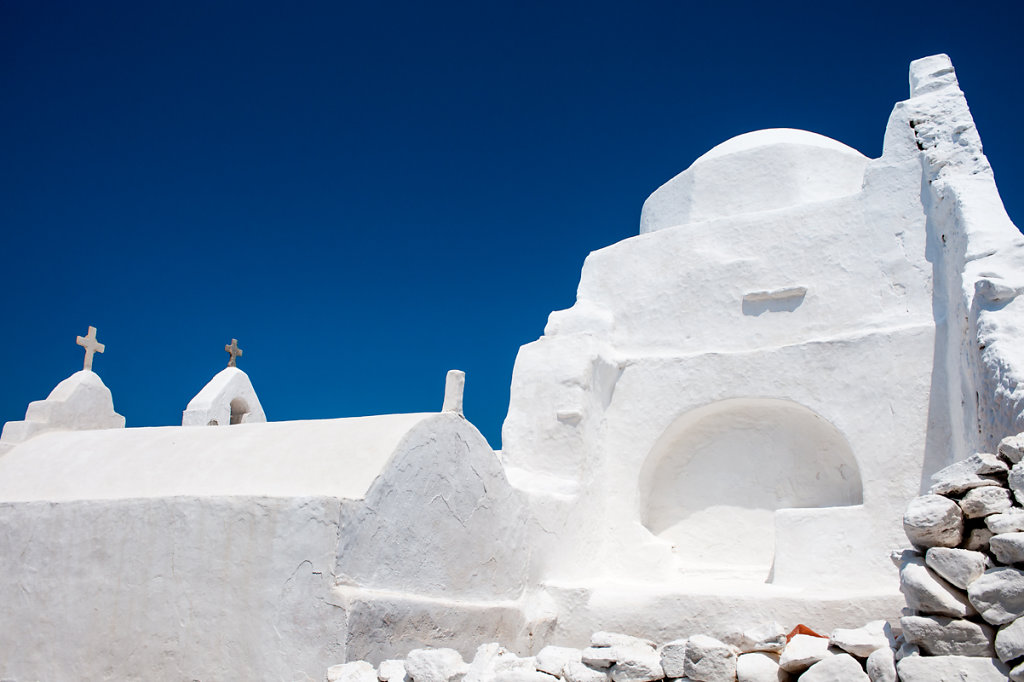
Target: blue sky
pixel 367 195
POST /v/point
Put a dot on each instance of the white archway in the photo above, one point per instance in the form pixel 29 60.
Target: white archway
pixel 712 482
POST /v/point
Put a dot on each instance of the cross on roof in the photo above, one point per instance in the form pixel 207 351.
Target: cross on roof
pixel 91 345
pixel 234 351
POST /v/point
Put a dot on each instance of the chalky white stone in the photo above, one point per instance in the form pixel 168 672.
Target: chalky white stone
pixel 982 502
pixel 454 387
pixel 928 593
pixel 838 668
pixel 802 652
pixel 492 662
pixel 881 665
pixel 977 540
pixel 759 666
pixel 599 656
pixel 636 664
pixel 673 658
pixel 709 660
pixel 1012 447
pixel 1016 481
pixel 998 595
pixel 769 636
pixel 391 670
pixel 579 672
pixel 1008 548
pixel 933 521
pixel 435 665
pixel 552 659
pixel 1010 641
pixel 354 671
pixel 951 669
pixel 973 472
pixel 1010 521
pixel 603 639
pixel 960 567
pixel 940 636
pixel 865 639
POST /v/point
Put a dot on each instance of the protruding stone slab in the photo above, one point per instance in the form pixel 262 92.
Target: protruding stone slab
pixel 981 502
pixel 838 668
pixel 940 636
pixel 1008 548
pixel 709 660
pixel 802 652
pixel 863 640
pixel 1010 641
pixel 951 669
pixel 972 472
pixel 960 567
pixel 933 521
pixel 928 593
pixel 1012 448
pixel 998 595
pixel 1010 521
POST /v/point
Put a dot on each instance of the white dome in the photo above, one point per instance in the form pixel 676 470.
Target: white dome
pixel 757 171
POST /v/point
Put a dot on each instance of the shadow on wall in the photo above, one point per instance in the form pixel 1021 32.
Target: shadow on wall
pixel 714 479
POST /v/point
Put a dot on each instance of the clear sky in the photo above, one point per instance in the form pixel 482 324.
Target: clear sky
pixel 367 195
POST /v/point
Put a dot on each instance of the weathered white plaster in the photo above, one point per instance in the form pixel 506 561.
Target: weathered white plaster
pixel 229 398
pixel 80 402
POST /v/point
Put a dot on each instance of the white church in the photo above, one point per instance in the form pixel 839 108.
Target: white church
pixel 724 429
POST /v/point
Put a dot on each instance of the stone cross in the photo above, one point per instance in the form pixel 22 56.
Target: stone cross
pixel 234 351
pixel 91 345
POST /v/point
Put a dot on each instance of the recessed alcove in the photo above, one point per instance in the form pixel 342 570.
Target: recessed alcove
pixel 714 479
pixel 239 408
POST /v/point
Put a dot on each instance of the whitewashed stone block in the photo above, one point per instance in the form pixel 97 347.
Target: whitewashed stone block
pixel 353 671
pixel 863 640
pixel 709 660
pixel 933 521
pixel 391 670
pixel 960 567
pixel 637 664
pixel 838 668
pixel 998 595
pixel 941 636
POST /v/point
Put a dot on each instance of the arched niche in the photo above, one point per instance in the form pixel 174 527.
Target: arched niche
pixel 713 480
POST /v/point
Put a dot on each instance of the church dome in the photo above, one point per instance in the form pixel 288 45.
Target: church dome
pixel 758 171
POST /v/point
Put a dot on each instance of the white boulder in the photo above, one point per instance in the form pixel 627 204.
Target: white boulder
pixel 435 665
pixel 972 472
pixel 580 672
pixel 1010 521
pixel 709 660
pixel 928 593
pixel 353 671
pixel 1010 641
pixel 552 659
pixel 998 595
pixel 863 640
pixel 673 658
pixel 391 670
pixel 1008 548
pixel 981 502
pixel 838 668
pixel 1012 447
pixel 759 666
pixel 941 636
pixel 802 652
pixel 933 521
pixel 881 665
pixel 960 567
pixel 769 636
pixel 636 664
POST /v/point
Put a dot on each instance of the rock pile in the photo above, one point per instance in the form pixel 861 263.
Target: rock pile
pixel 963 582
pixel 763 654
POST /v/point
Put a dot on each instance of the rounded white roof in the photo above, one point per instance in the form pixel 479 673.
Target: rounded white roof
pixel 775 136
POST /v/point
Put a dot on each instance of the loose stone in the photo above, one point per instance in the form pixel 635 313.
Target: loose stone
pixel 863 640
pixel 933 521
pixel 637 664
pixel 1016 481
pixel 579 672
pixel 981 502
pixel 838 668
pixel 434 665
pixel 940 636
pixel 998 595
pixel 391 671
pixel 758 666
pixel 709 660
pixel 881 665
pixel 927 593
pixel 354 671
pixel 1010 521
pixel 973 472
pixel 951 669
pixel 1010 641
pixel 673 658
pixel 1008 547
pixel 768 637
pixel 552 659
pixel 1012 448
pixel 977 540
pixel 802 652
pixel 960 567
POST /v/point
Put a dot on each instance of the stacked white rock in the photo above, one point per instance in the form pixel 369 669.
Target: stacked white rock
pixel 762 654
pixel 964 581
